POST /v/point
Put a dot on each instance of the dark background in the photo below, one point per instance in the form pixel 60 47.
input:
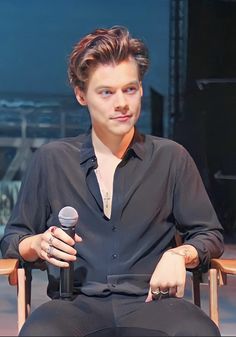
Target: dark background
pixel 190 89
pixel 207 125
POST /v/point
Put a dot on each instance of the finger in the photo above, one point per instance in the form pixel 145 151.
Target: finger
pixel 50 240
pixel 164 293
pixel 61 250
pixel 149 297
pixel 172 291
pixel 164 289
pixel 60 234
pixel 52 229
pixel 51 259
pixel 49 251
pixel 60 255
pixel 78 238
pixel 180 291
pixel 64 247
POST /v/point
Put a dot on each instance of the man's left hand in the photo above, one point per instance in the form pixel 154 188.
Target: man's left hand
pixel 169 276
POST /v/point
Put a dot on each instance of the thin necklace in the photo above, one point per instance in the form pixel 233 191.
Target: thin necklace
pixel 106 196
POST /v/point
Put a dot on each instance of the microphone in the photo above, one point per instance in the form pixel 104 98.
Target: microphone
pixel 68 218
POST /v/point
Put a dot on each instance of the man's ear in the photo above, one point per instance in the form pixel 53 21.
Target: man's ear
pixel 141 89
pixel 80 96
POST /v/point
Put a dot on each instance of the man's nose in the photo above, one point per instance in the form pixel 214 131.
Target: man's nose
pixel 121 102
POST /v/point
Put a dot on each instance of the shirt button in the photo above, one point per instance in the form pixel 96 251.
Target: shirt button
pixel 93 159
pixel 113 285
pixel 114 228
pixel 114 256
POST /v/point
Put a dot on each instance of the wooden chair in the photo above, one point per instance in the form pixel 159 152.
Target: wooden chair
pixel 220 269
pixel 16 277
pixel 216 277
pixel 21 277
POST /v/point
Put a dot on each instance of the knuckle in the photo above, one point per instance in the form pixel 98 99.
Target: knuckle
pixel 153 284
pixel 171 284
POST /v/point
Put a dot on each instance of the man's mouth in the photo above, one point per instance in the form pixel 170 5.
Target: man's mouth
pixel 122 118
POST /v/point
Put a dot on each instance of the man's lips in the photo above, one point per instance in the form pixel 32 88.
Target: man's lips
pixel 122 118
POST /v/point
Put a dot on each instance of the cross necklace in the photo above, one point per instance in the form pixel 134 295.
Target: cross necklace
pixel 106 196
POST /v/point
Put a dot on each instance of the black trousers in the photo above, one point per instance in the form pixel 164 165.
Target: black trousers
pixel 118 315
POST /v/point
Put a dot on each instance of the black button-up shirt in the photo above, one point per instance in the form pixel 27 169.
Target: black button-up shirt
pixel 157 188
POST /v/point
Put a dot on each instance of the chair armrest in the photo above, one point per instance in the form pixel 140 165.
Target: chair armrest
pixel 227 266
pixel 9 268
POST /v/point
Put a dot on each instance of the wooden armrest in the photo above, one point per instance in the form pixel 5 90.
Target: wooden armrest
pixel 9 268
pixel 227 266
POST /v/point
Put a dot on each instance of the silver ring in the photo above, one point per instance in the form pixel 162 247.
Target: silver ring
pixel 159 294
pixel 156 292
pixel 50 240
pixel 49 251
pixel 164 292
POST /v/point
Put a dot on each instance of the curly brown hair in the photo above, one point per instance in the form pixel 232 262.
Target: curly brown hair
pixel 105 46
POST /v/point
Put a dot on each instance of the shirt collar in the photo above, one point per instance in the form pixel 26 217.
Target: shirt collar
pixel 87 150
pixel 136 147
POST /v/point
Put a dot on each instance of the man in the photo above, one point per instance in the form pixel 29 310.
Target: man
pixel 131 192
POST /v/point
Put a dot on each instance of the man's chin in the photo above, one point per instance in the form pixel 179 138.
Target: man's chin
pixel 123 130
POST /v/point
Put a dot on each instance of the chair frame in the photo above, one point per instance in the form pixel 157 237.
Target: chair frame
pixel 21 277
pixel 220 269
pixel 16 277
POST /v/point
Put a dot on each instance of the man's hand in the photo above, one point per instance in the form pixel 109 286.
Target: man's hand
pixel 54 246
pixel 170 273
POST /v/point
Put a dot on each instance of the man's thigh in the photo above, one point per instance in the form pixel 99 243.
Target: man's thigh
pixel 123 315
pixel 171 316
pixel 81 317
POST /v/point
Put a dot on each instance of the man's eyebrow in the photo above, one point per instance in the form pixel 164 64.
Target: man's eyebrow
pixel 111 87
pixel 132 83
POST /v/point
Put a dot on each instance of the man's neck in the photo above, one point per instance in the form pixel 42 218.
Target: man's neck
pixel 117 145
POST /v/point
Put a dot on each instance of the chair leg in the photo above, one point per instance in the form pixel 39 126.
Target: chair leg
pixel 21 298
pixel 213 298
pixel 28 281
pixel 196 288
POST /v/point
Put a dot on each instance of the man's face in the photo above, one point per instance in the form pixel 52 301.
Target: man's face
pixel 113 97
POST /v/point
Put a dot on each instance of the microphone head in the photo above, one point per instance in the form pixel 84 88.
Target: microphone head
pixel 68 216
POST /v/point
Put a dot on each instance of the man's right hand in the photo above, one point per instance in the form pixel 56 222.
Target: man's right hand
pixel 54 246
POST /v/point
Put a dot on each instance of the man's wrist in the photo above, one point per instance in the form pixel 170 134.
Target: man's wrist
pixel 189 254
pixel 183 253
pixel 28 248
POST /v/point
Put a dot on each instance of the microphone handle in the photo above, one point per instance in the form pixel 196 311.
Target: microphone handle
pixel 67 274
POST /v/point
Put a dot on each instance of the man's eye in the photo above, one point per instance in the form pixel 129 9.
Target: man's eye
pixel 131 90
pixel 105 93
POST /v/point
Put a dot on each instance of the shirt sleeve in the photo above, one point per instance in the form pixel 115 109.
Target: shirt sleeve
pixel 196 218
pixel 29 216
